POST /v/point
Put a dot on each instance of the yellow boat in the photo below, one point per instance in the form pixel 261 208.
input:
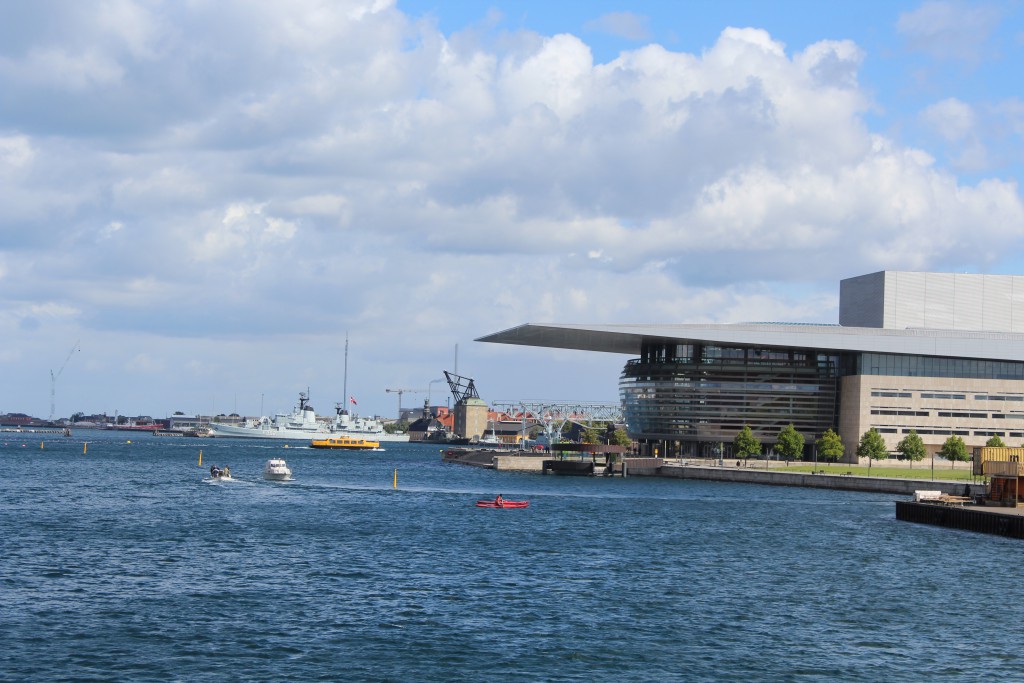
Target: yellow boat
pixel 348 443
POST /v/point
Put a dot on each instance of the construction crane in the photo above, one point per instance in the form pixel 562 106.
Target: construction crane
pixel 400 392
pixel 54 376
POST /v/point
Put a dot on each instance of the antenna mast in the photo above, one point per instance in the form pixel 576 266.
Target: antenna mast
pixel 344 385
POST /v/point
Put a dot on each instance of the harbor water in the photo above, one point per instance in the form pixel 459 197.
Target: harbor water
pixel 125 561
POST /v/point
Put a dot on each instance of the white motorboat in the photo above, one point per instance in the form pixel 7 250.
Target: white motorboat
pixel 277 469
pixel 220 473
pixel 302 424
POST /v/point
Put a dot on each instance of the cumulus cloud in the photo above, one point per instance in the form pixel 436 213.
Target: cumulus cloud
pixel 225 182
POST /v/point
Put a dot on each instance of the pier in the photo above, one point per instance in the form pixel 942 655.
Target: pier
pixel 1001 521
pixel 573 459
pixel 63 431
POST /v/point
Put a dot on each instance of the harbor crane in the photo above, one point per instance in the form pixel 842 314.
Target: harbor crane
pixel 54 376
pixel 400 392
pixel 462 387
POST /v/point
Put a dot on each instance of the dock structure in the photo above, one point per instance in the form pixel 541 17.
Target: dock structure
pixel 1001 521
pixel 64 431
pixel 997 510
pixel 586 459
pixel 572 459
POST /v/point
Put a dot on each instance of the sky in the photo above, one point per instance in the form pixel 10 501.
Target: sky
pixel 200 200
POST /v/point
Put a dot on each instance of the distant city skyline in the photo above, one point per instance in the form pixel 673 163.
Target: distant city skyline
pixel 207 197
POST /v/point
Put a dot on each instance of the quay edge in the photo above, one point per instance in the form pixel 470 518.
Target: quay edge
pixel 843 482
pixel 654 467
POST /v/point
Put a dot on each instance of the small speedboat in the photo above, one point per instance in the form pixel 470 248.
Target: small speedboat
pixel 220 473
pixel 276 469
pixel 512 504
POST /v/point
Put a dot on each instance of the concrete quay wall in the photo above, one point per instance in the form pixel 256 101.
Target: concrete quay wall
pixel 821 481
pixel 520 463
pixel 509 462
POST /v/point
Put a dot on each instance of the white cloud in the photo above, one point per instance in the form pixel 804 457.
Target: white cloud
pixel 15 152
pixel 244 230
pixel 554 76
pixel 951 118
pixel 950 30
pixel 230 182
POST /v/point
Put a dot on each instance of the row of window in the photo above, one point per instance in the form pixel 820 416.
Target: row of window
pixel 912 413
pixel 713 354
pixel 947 413
pixel 956 396
pixel 949 432
pixel 884 364
pixel 930 366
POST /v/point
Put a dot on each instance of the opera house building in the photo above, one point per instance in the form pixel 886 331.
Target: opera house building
pixel 938 353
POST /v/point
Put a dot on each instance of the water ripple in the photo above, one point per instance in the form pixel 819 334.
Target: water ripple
pixel 130 564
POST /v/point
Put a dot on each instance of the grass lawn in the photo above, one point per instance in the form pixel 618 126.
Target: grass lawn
pixel 920 471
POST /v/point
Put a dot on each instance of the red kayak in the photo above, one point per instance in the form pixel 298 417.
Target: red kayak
pixel 505 504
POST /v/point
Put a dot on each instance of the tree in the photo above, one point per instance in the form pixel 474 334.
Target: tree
pixel 954 450
pixel 872 447
pixel 396 427
pixel 830 446
pixel 996 442
pixel 621 438
pixel 912 447
pixel 790 443
pixel 745 444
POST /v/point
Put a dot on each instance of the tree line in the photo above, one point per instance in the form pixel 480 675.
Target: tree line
pixel 790 445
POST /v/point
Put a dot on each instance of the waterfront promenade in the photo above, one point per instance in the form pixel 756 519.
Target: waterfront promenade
pixel 777 474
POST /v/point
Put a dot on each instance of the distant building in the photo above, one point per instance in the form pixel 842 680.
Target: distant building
pixel 184 423
pixel 938 353
pixel 20 420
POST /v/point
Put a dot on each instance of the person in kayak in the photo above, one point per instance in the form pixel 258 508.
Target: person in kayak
pixel 499 501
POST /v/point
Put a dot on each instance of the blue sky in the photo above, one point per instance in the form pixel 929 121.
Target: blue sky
pixel 208 196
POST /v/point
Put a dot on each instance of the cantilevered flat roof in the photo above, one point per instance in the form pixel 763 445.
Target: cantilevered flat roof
pixel 627 339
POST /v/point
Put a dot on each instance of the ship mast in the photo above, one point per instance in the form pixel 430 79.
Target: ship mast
pixel 344 386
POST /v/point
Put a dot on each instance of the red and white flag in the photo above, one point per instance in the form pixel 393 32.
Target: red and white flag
pixel 350 398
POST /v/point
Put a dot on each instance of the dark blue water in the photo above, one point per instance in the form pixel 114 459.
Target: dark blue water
pixel 127 563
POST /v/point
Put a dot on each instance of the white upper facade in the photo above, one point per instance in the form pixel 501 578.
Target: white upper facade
pixel 899 300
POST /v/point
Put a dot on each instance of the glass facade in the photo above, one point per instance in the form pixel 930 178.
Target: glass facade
pixel 689 398
pixel 895 365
